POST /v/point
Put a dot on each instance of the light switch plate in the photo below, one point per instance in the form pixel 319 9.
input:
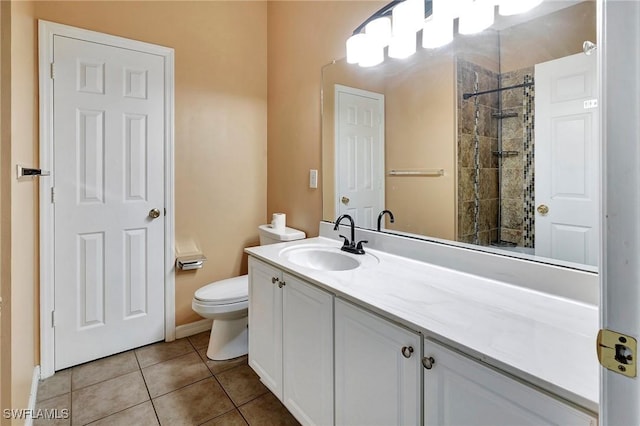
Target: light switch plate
pixel 313 178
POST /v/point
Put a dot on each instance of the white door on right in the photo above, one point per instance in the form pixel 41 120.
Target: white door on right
pixel 566 159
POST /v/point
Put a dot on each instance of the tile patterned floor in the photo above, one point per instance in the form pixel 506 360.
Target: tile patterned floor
pixel 162 384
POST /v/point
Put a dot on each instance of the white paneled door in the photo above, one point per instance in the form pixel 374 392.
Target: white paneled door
pixel 359 154
pixel 567 172
pixel 108 200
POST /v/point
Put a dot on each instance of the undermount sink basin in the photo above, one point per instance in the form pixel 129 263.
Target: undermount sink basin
pixel 326 258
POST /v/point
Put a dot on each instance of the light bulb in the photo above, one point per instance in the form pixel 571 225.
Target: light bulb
pixel 402 45
pixel 379 30
pixel 355 47
pixel 408 16
pixel 477 17
pixel 372 53
pixel 438 29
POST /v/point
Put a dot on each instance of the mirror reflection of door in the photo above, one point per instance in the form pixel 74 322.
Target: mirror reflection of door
pixel 566 160
pixel 359 129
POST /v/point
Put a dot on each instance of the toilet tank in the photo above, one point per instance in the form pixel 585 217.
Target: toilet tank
pixel 270 235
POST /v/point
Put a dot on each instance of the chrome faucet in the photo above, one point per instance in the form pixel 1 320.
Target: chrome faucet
pixel 382 213
pixel 350 246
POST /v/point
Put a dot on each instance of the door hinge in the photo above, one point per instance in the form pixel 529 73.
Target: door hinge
pixel 53 318
pixel 617 352
pixel 53 195
pixel 53 70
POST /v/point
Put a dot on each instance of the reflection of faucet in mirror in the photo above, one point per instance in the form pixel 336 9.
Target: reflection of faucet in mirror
pixel 382 213
pixel 350 246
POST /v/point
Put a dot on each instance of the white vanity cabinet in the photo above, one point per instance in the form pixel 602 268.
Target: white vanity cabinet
pixel 377 369
pixel 291 324
pixel 461 391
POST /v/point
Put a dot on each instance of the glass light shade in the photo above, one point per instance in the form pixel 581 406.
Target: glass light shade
pixel 355 46
pixel 477 17
pixel 372 53
pixel 408 16
pixel 402 45
pixel 437 32
pixel 451 8
pixel 513 7
pixel 379 30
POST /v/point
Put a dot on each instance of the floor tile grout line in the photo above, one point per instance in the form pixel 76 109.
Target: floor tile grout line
pixel 160 362
pixel 219 415
pixel 102 381
pixel 144 380
pixel 40 401
pixel 114 413
pixel 182 387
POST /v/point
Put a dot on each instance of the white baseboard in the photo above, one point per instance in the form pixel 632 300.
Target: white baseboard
pixel 33 395
pixel 192 328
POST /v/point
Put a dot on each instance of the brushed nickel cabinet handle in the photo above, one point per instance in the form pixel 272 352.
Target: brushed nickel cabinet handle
pixel 428 362
pixel 407 351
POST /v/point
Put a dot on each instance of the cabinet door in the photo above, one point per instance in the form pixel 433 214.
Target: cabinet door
pixel 375 383
pixel 460 391
pixel 265 324
pixel 308 352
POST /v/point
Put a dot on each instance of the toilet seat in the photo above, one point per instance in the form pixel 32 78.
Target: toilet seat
pixel 224 292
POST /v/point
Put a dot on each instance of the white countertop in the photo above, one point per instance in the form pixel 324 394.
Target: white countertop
pixel 544 339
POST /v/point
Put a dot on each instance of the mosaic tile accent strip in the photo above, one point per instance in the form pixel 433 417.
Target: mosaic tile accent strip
pixel 529 163
pixel 476 163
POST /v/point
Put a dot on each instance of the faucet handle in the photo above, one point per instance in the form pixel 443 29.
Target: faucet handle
pixel 346 241
pixel 360 243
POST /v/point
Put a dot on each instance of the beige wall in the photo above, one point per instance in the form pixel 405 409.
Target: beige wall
pixel 303 36
pixel 220 120
pixel 420 128
pixel 5 207
pixel 24 204
pixel 549 37
pixel 220 145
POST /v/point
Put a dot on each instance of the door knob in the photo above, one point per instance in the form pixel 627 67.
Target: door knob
pixel 154 213
pixel 345 200
pixel 543 209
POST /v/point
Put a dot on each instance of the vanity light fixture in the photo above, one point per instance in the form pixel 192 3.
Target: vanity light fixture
pixel 477 17
pixel 396 25
pixel 438 28
pixel 379 31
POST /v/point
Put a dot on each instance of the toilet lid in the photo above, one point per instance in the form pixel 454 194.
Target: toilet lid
pixel 231 290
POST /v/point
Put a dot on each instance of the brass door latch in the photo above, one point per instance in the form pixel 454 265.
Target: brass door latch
pixel 617 352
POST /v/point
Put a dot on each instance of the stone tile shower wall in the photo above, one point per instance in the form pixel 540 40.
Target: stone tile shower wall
pixel 514 190
pixel 486 141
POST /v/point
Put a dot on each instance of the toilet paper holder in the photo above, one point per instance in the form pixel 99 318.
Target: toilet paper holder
pixel 188 263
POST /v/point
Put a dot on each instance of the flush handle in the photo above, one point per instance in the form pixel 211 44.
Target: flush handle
pixel 543 209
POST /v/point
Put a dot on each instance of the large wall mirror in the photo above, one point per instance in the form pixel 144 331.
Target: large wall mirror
pixel 490 142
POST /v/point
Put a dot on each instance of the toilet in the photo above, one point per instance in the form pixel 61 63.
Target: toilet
pixel 226 302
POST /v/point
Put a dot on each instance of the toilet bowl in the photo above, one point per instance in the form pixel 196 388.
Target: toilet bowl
pixel 226 302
